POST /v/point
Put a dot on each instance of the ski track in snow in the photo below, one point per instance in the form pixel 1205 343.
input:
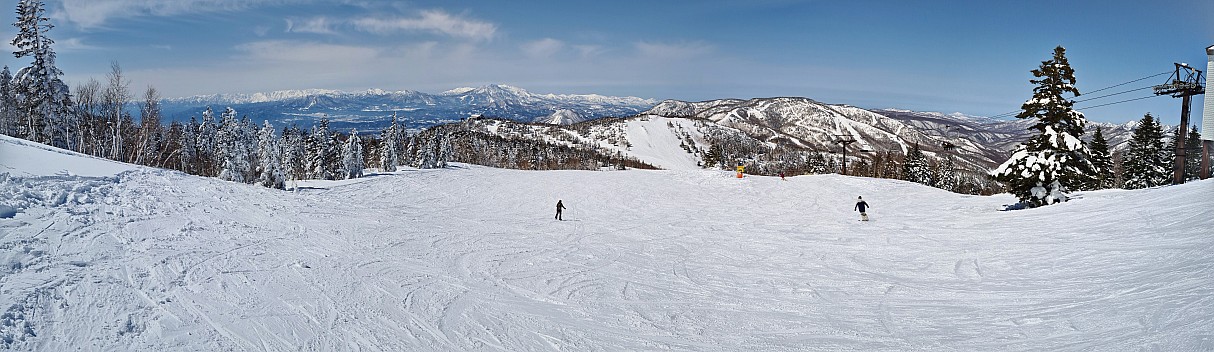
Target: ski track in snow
pixel 469 258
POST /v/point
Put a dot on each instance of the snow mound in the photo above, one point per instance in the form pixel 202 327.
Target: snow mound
pixel 22 158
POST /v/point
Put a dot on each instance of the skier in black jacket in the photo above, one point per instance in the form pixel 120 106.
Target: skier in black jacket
pixel 861 205
pixel 559 207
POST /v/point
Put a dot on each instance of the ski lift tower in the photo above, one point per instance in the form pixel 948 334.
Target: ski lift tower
pixel 1184 83
pixel 844 140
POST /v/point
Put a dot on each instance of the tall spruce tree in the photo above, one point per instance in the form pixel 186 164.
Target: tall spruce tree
pixel 389 142
pixel 234 151
pixel 44 99
pixel 916 168
pixel 8 104
pixel 1146 162
pixel 1043 169
pixel 1102 161
pixel 269 158
pixel 352 157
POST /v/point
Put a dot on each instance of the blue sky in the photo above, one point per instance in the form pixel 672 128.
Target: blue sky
pixel 972 57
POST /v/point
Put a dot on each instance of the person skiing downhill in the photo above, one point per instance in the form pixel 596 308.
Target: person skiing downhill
pixel 861 206
pixel 559 206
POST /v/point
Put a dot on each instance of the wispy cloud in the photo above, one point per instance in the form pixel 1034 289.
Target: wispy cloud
pixel 72 44
pixel 317 25
pixel 277 51
pixel 542 48
pixel 673 51
pixel 93 13
pixel 434 21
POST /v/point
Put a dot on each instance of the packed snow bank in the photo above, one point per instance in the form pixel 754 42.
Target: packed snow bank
pixel 469 258
pixel 19 157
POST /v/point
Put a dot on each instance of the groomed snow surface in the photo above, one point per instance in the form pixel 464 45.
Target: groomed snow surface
pixel 469 259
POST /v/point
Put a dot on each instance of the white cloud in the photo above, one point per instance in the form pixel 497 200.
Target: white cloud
pixel 72 44
pixel 589 51
pixel 542 48
pixel 317 25
pixel 673 51
pixel 434 21
pixel 93 13
pixel 278 51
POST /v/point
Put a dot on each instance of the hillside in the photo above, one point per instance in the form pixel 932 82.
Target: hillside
pixel 468 258
pixel 982 143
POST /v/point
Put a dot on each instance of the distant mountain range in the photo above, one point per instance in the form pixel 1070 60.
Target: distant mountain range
pixel 372 109
pixel 981 142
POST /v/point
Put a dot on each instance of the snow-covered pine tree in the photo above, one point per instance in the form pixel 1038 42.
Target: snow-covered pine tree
pixel 44 99
pixel 1043 169
pixel 389 141
pixel 189 149
pixel 915 168
pixel 946 175
pixel 445 153
pixel 233 149
pixel 205 145
pixel 323 157
pixel 8 104
pixel 269 158
pixel 1102 161
pixel 1146 162
pixel 352 157
pixel 294 153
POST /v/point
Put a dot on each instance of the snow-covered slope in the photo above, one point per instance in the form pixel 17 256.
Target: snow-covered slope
pixel 809 124
pixel 469 258
pixel 563 117
pixel 22 158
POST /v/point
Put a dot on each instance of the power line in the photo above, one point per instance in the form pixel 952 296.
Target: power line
pixel 1013 113
pixel 1122 84
pixel 1118 93
pixel 1119 102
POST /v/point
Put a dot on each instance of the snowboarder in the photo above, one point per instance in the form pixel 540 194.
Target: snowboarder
pixel 782 176
pixel 559 206
pixel 861 205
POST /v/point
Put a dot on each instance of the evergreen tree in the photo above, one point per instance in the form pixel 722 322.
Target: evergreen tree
pixel 1146 162
pixel 1053 162
pixel 189 149
pixel 233 149
pixel 205 145
pixel 269 158
pixel 915 168
pixel 44 99
pixel 1193 149
pixel 293 153
pixel 389 140
pixel 8 104
pixel 352 157
pixel 322 152
pixel 1102 161
pixel 946 177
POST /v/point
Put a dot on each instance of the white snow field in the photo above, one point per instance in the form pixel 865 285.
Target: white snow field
pixel 469 259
